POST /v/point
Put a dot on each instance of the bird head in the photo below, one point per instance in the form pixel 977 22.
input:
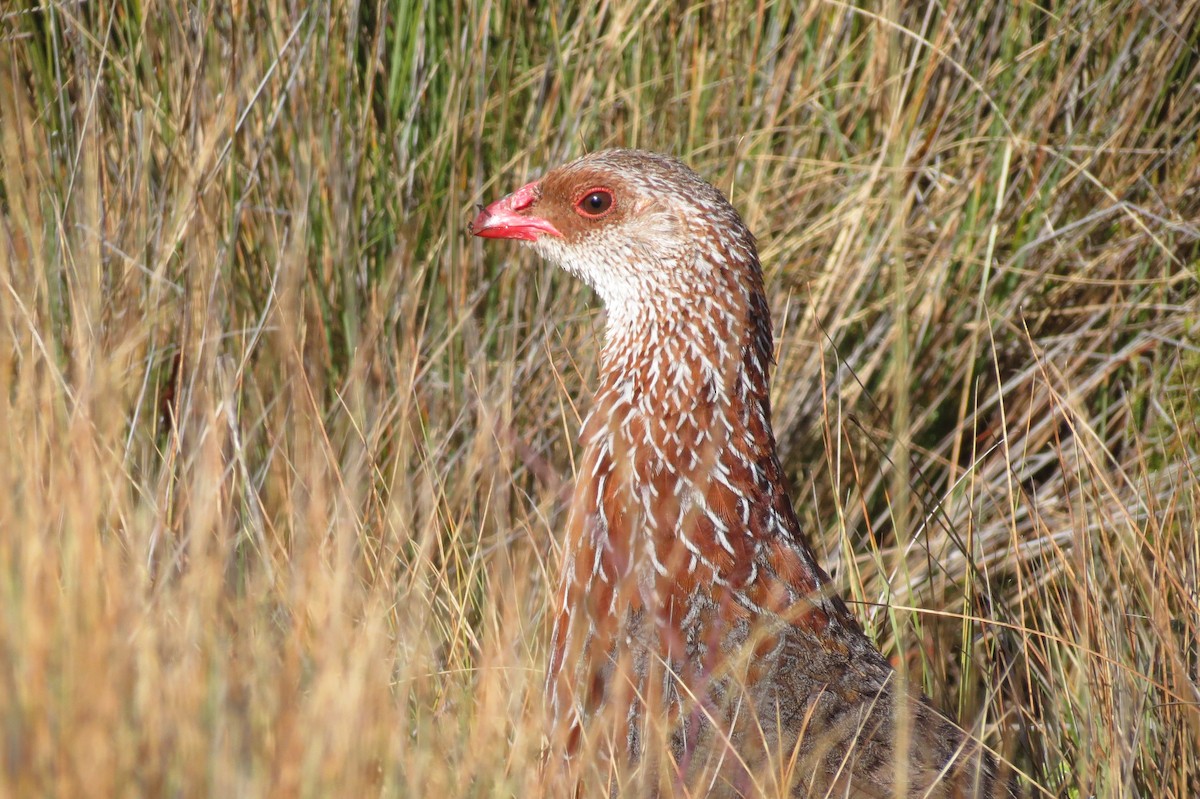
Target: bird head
pixel 644 230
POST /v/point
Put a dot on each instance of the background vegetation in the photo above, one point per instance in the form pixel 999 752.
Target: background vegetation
pixel 284 451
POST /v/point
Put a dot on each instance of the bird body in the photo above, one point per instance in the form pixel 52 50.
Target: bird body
pixel 691 607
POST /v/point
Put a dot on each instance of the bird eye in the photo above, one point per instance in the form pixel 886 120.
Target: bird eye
pixel 594 203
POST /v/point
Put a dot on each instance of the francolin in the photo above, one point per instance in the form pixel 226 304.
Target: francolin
pixel 691 612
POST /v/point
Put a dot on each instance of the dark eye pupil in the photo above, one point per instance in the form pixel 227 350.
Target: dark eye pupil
pixel 596 202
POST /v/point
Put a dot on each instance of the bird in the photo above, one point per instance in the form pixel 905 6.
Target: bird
pixel 694 633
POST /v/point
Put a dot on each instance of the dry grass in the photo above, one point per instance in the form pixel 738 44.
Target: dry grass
pixel 283 450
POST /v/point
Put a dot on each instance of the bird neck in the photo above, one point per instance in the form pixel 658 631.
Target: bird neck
pixel 681 425
pixel 679 488
pixel 678 354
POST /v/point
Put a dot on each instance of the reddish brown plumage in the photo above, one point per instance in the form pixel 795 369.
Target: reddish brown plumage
pixel 690 601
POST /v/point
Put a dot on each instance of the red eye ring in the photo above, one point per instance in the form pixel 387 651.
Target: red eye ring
pixel 595 203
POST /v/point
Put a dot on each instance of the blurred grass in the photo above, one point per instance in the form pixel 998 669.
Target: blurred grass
pixel 284 450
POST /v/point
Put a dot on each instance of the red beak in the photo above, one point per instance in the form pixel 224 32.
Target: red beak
pixel 504 219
